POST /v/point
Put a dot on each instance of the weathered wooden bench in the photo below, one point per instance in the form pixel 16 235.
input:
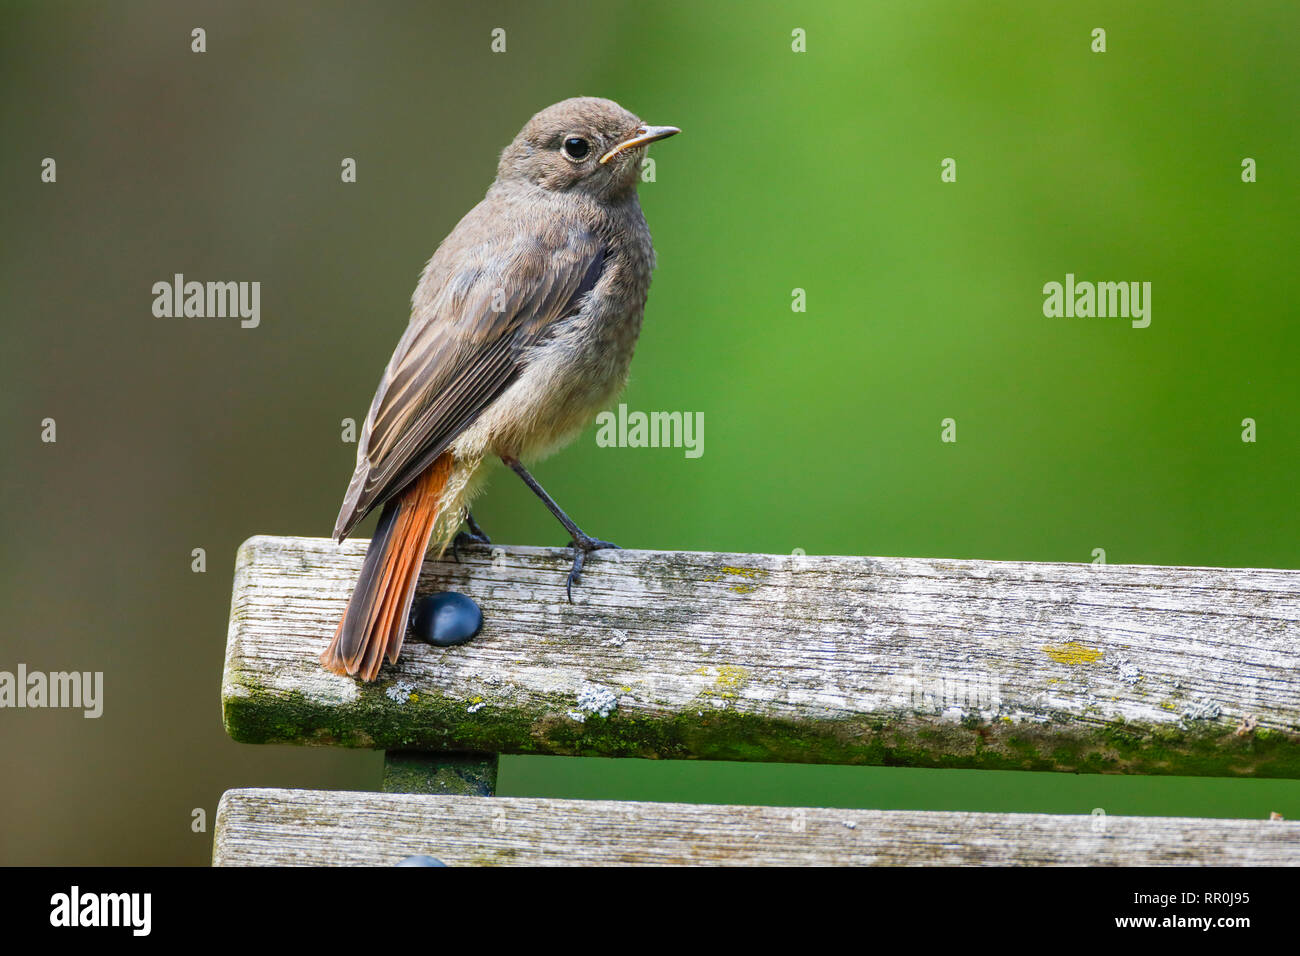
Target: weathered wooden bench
pixel 894 661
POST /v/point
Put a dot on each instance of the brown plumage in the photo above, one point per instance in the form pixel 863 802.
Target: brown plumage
pixel 374 624
pixel 522 328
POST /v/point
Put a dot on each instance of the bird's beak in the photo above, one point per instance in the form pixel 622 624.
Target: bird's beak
pixel 643 136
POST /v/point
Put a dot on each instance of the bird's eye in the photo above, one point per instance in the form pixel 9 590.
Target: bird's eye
pixel 575 148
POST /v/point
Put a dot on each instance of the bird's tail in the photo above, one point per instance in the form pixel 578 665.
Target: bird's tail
pixel 374 623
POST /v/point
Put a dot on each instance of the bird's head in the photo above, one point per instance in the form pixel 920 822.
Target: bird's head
pixel 584 143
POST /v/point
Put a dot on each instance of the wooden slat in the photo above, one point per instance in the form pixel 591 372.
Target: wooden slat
pixel 337 828
pixel 799 659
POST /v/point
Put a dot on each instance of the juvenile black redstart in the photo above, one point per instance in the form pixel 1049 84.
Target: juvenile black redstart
pixel 522 329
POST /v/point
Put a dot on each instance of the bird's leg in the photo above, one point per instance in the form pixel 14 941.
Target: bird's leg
pixel 582 543
pixel 475 535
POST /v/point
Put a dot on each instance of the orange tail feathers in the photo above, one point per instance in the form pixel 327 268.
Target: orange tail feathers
pixel 374 624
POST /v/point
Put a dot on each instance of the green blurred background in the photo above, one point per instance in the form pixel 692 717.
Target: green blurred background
pixel 817 170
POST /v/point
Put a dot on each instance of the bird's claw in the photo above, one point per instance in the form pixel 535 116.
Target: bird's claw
pixel 581 548
pixel 475 535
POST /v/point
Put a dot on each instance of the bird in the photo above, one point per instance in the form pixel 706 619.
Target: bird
pixel 522 330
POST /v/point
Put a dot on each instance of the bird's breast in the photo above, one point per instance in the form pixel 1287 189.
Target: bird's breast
pixel 577 370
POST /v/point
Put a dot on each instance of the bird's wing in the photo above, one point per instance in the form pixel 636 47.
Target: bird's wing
pixel 482 302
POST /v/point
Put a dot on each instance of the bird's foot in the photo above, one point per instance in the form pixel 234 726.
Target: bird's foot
pixel 582 546
pixel 475 535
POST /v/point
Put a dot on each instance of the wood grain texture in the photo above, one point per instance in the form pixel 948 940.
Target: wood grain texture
pixel 789 658
pixel 335 828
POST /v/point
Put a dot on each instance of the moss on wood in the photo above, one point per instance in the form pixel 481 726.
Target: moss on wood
pixel 432 722
pixel 465 775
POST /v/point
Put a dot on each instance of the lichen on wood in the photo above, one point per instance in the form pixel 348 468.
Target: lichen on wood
pixel 894 661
